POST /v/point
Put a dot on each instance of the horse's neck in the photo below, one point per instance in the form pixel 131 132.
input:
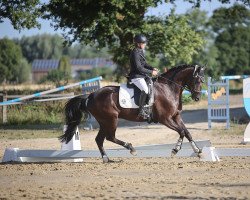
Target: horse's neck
pixel 183 76
pixel 177 76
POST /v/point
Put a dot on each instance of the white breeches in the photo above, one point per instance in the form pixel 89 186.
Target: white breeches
pixel 141 84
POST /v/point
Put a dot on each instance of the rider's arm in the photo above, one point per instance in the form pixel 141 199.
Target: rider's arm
pixel 148 66
pixel 138 64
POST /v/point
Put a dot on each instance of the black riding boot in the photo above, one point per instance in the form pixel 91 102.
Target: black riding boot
pixel 142 101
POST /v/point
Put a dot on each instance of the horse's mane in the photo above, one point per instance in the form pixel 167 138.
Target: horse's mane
pixel 177 69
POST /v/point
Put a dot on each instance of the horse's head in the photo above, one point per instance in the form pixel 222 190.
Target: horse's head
pixel 194 84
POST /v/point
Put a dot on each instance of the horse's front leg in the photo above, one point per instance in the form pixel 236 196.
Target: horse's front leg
pixel 178 144
pixel 171 123
pixel 192 143
pixel 187 134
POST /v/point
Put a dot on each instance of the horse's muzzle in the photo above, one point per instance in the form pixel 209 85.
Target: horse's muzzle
pixel 196 98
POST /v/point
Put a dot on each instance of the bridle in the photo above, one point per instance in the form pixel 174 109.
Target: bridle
pixel 185 87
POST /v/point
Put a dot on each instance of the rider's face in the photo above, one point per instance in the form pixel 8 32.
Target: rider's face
pixel 142 45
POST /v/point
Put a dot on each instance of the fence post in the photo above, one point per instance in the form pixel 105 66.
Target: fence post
pixel 218 102
pixel 4 108
pixel 227 104
pixel 209 102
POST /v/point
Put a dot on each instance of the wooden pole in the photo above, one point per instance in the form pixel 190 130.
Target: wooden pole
pixel 4 108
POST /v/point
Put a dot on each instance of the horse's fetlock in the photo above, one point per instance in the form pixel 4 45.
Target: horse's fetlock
pixel 195 148
pixel 128 146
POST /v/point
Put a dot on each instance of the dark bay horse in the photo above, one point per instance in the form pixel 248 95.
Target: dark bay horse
pixel 104 106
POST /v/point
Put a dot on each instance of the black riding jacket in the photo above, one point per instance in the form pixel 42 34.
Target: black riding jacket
pixel 138 65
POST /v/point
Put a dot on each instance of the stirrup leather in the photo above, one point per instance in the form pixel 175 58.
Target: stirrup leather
pixel 143 113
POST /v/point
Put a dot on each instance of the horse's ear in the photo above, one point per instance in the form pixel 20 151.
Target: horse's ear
pixel 197 69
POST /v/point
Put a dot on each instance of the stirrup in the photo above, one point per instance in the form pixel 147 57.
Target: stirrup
pixel 143 114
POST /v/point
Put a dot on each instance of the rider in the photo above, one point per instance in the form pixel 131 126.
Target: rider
pixel 139 70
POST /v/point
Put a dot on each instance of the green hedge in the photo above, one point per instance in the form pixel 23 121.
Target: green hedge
pixel 36 113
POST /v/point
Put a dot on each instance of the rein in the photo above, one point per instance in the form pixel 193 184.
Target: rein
pixel 182 87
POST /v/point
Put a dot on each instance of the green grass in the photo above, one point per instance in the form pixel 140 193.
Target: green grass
pixel 187 99
pixel 235 129
pixel 14 134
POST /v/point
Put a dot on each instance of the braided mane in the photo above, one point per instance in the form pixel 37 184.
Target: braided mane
pixel 177 68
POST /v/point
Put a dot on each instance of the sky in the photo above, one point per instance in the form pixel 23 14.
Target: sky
pixel 6 29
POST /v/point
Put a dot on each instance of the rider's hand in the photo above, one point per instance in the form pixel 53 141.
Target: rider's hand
pixel 155 72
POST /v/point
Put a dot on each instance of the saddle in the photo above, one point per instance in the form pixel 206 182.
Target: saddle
pixel 129 95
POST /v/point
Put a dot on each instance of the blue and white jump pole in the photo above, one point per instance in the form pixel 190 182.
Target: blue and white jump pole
pixel 234 77
pixel 49 91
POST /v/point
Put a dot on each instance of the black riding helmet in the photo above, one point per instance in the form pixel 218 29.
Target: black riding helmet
pixel 140 38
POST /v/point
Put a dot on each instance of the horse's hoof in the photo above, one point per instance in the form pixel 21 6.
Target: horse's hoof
pixel 133 152
pixel 200 155
pixel 173 153
pixel 105 159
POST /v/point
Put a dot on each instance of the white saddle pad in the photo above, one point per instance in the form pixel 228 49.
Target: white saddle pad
pixel 126 97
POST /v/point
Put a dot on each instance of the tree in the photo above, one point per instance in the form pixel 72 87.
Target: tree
pixel 232 30
pixel 64 65
pixel 65 68
pixel 61 75
pixel 44 46
pixel 24 71
pixel 114 23
pixel 173 38
pixel 199 21
pixel 105 72
pixel 22 14
pixel 12 63
pixel 55 76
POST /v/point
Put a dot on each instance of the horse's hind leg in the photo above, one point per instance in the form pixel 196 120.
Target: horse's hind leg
pixel 99 141
pixel 108 131
pixel 128 146
pixel 110 136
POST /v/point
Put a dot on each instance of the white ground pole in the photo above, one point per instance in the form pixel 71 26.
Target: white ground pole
pixel 163 150
pixel 246 99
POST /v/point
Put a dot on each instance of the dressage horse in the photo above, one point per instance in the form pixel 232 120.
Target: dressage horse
pixel 104 106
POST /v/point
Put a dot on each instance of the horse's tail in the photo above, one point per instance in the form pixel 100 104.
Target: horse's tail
pixel 74 110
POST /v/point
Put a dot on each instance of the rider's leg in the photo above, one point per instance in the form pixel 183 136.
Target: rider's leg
pixel 142 85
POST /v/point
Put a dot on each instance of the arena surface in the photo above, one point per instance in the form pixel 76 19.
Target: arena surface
pixel 136 178
pixel 132 178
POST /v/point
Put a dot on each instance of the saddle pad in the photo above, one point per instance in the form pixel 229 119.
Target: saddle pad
pixel 126 97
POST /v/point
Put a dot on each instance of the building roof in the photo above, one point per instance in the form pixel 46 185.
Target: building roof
pixel 44 65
